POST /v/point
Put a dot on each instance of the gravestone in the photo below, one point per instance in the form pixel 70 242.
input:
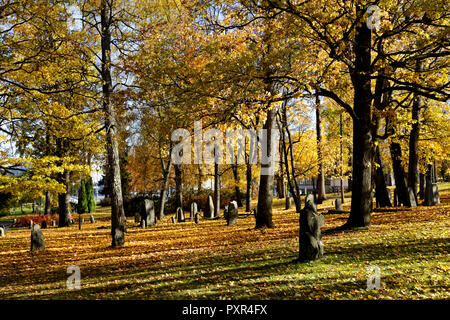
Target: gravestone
pixel 232 213
pixel 338 205
pixel 37 238
pixel 143 224
pixel 180 215
pixel 431 194
pixel 193 210
pixel 53 223
pixel 92 219
pixel 44 224
pixel 225 212
pixel 310 237
pixel 174 220
pixel 209 212
pixel 288 203
pixel 2 232
pixel 411 198
pixel 196 217
pixel 148 212
pixel 396 199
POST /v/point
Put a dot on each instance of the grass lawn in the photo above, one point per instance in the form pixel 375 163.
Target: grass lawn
pixel 212 261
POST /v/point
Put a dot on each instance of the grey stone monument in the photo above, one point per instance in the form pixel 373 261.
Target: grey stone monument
pixel 310 237
pixel 37 238
pixel 232 213
pixel 180 215
pixel 193 211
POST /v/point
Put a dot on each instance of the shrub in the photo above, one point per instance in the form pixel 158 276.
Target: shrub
pixel 105 202
pixel 82 199
pixel 25 221
pixel 90 195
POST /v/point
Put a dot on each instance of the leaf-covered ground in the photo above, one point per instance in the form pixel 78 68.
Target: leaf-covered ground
pixel 213 261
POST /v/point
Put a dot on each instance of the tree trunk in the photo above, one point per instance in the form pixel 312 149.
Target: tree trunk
pixel 281 185
pixel 265 192
pixel 341 159
pixel 237 190
pixel 178 186
pixel 399 174
pixel 164 187
pixel 321 195
pixel 414 140
pixel 248 196
pixel 421 186
pixel 216 190
pixel 64 201
pixel 200 178
pixel 362 137
pixel 381 190
pixel 289 166
pixel 118 220
pixel 48 204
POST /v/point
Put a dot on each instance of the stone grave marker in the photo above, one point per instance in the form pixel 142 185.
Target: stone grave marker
pixel 209 212
pixel 310 237
pixel 232 213
pixel 37 238
pixel 338 204
pixel 180 215
pixel 193 211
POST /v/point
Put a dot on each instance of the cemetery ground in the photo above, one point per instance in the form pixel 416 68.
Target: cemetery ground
pixel 214 261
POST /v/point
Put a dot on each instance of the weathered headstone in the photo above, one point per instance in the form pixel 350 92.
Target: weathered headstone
pixel 338 205
pixel 310 237
pixel 411 198
pixel 80 222
pixel 225 212
pixel 148 213
pixel 196 217
pixel 396 198
pixel 37 238
pixel 193 210
pixel 232 213
pixel 431 194
pixel 44 224
pixel 209 212
pixel 288 203
pixel 92 219
pixel 180 215
pixel 53 223
pixel 2 232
